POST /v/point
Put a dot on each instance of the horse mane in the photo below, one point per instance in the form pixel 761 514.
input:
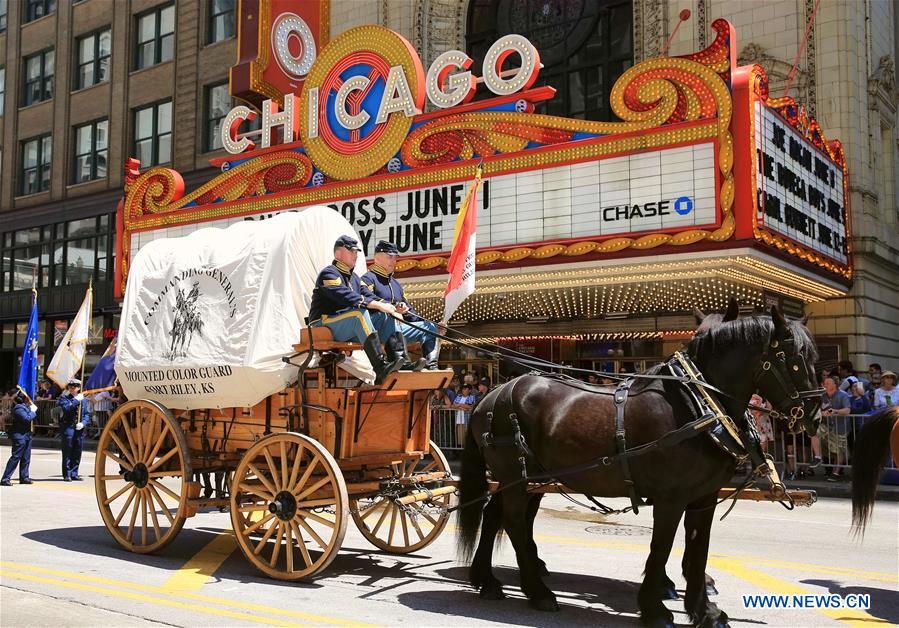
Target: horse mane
pixel 714 336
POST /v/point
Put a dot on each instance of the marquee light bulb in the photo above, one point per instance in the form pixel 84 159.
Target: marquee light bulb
pixel 285 26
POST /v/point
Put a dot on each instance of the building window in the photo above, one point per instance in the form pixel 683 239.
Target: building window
pixel 67 253
pixel 155 37
pixel 218 104
pixel 4 6
pixel 38 8
pixel 36 154
pixel 39 77
pixel 584 47
pixel 221 20
pixel 2 88
pixel 153 134
pixel 93 59
pixel 90 151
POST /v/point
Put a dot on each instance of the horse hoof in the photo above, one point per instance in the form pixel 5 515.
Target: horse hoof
pixel 492 592
pixel 713 618
pixel 546 604
pixel 658 622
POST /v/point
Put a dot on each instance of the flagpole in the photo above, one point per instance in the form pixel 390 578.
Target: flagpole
pixel 473 190
pixel 90 310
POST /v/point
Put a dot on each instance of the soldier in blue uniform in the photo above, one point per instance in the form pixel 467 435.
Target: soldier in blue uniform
pixel 75 415
pixel 20 434
pixel 379 281
pixel 341 303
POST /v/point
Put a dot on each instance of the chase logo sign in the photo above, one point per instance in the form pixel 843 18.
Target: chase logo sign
pixel 683 205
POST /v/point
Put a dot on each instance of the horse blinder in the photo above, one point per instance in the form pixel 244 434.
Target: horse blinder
pixel 782 379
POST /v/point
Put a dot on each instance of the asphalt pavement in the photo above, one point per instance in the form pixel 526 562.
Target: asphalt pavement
pixel 60 567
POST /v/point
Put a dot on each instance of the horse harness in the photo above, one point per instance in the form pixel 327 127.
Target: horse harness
pixel 712 420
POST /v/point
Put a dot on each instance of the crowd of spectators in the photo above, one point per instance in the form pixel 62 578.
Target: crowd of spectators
pixel 459 398
pixel 849 396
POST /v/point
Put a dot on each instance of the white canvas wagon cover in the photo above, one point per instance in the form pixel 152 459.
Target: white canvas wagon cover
pixel 207 318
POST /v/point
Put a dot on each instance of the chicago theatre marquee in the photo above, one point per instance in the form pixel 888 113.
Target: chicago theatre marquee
pixel 596 239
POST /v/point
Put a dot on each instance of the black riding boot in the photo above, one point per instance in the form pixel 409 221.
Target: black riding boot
pixel 396 348
pixel 431 358
pixel 382 365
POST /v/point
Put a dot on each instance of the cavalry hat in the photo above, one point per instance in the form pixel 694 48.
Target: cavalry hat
pixel 347 242
pixel 74 382
pixel 889 374
pixel 383 246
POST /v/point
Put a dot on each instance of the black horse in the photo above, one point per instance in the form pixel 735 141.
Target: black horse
pixel 566 423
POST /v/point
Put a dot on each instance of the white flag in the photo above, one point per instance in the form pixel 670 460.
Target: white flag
pixel 461 263
pixel 70 354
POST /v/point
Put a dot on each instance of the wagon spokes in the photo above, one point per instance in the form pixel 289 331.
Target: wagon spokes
pixel 386 524
pixel 289 507
pixel 142 471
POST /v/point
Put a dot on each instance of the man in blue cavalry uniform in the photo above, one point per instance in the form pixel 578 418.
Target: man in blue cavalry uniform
pixel 20 434
pixel 380 282
pixel 352 313
pixel 75 415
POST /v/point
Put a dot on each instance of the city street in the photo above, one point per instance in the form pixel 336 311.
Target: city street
pixel 61 567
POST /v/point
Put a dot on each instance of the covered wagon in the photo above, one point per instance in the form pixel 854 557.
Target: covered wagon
pixel 224 379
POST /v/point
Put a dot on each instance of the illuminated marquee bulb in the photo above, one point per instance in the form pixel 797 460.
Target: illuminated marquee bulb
pixel 448 90
pixel 272 118
pixel 397 96
pixel 230 126
pixel 347 120
pixel 286 25
pixel 496 56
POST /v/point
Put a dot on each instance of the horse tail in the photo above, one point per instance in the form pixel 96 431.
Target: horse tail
pixel 472 487
pixel 872 443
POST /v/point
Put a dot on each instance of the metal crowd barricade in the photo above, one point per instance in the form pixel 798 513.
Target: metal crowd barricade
pixel 46 424
pixel 834 441
pixel 443 429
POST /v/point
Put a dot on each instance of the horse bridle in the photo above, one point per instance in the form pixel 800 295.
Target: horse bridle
pixel 782 375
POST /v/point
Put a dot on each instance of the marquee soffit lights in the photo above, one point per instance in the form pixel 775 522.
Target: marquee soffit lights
pixel 745 268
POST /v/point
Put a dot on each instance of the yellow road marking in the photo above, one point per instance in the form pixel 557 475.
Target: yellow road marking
pixel 878 576
pixel 143 598
pixel 785 587
pixel 199 569
pixel 219 602
pixel 848 572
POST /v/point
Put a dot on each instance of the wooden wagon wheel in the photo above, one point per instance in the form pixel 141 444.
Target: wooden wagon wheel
pixel 296 485
pixel 143 468
pixel 395 529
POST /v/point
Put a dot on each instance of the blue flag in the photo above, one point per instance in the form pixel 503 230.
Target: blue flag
pixel 28 373
pixel 103 375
